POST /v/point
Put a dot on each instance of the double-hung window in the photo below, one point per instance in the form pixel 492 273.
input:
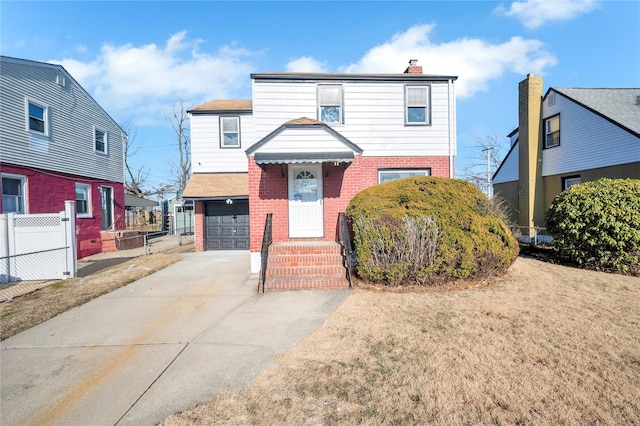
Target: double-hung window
pixel 552 131
pixel 229 132
pixel 13 191
pixel 388 175
pixel 83 200
pixel 330 109
pixel 37 117
pixel 100 140
pixel 417 105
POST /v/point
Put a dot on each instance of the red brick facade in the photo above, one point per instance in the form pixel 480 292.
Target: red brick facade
pixel 47 191
pixel 268 191
pixel 198 215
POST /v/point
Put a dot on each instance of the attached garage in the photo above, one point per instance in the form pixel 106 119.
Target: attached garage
pixel 221 210
pixel 226 225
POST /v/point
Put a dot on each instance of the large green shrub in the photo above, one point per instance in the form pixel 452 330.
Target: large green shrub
pixel 597 224
pixel 426 230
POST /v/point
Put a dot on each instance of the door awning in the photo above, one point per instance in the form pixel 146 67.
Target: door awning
pixel 303 157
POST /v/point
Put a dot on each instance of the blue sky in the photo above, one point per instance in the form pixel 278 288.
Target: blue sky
pixel 137 59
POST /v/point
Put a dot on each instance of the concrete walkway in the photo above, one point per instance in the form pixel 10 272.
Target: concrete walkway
pixel 155 347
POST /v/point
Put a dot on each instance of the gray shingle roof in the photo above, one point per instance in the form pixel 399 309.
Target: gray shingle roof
pixel 618 105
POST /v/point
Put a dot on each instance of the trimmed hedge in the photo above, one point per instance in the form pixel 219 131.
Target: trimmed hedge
pixel 597 224
pixel 455 220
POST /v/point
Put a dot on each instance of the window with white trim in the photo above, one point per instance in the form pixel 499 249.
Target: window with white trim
pixel 417 99
pixel 229 132
pixel 37 117
pixel 13 193
pixel 83 200
pixel 330 103
pixel 569 181
pixel 552 131
pixel 388 175
pixel 100 140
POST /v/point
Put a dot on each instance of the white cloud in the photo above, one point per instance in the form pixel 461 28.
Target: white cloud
pixel 140 83
pixel 475 62
pixel 306 64
pixel 534 13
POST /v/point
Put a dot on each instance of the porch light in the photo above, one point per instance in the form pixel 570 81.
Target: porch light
pixel 229 201
pixel 336 163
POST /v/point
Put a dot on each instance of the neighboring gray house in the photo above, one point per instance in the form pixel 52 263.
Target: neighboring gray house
pixel 57 143
pixel 565 137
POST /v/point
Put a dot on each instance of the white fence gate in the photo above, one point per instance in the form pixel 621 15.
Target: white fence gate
pixel 38 246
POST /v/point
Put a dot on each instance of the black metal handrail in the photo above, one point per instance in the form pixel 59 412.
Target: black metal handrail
pixel 345 243
pixel 267 239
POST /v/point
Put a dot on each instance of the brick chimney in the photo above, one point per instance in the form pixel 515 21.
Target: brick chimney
pixel 413 68
pixel 531 190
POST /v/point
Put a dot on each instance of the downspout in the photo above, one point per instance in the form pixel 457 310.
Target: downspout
pixel 452 128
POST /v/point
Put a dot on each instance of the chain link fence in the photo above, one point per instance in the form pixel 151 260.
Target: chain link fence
pixel 13 268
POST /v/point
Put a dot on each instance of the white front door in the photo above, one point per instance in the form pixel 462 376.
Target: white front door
pixel 305 201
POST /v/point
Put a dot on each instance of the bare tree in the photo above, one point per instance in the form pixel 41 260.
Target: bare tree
pixel 135 178
pixel 490 153
pixel 179 121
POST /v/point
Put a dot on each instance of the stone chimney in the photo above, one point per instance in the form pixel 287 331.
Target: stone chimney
pixel 531 191
pixel 413 68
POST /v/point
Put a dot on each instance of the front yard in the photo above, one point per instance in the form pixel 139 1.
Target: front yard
pixel 546 345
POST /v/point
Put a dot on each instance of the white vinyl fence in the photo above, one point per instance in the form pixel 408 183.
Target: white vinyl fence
pixel 38 246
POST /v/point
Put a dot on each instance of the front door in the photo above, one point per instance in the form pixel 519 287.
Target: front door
pixel 106 206
pixel 305 201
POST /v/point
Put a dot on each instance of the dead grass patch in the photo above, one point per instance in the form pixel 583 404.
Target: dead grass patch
pixel 546 345
pixel 34 308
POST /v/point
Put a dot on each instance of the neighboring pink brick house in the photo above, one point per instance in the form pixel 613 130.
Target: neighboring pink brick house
pixel 306 144
pixel 57 144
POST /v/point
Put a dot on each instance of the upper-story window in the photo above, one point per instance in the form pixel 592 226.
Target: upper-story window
pixel 13 190
pixel 417 105
pixel 552 131
pixel 83 204
pixel 100 140
pixel 37 117
pixel 229 132
pixel 330 103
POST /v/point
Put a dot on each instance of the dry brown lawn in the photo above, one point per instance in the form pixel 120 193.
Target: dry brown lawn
pixel 545 345
pixel 34 308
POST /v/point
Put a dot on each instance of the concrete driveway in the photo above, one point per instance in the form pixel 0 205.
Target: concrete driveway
pixel 155 347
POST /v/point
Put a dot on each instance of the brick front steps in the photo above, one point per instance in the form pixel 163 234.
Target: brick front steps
pixel 305 265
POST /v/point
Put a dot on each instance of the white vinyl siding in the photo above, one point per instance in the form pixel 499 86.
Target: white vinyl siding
pixel 206 152
pixel 509 168
pixel 296 140
pixel 71 116
pixel 374 117
pixel 588 141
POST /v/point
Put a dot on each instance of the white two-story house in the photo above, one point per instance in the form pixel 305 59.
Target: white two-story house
pixel 306 144
pixel 57 143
